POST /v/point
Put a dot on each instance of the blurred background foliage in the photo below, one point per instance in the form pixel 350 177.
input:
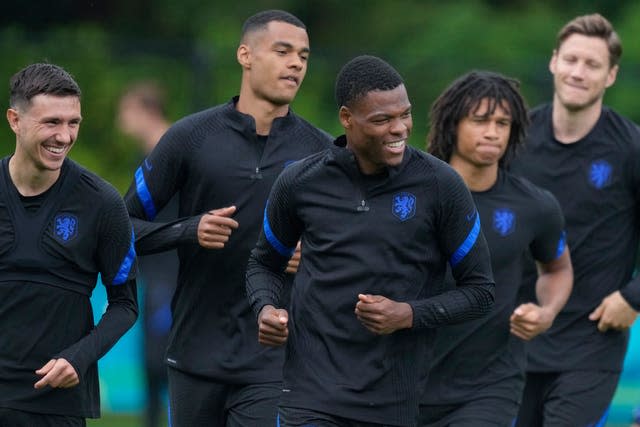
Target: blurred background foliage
pixel 189 47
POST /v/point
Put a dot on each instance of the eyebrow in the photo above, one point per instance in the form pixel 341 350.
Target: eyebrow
pixel 58 118
pixel 289 46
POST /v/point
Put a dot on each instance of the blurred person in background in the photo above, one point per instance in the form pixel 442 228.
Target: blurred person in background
pixel 223 162
pixel 142 116
pixel 588 156
pixel 61 226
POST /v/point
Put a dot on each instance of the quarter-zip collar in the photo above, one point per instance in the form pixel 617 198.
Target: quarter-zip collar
pixel 246 124
pixel 347 160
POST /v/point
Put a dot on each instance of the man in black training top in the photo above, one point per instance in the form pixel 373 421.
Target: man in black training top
pixel 379 221
pixel 60 225
pixel 477 374
pixel 223 162
pixel 588 156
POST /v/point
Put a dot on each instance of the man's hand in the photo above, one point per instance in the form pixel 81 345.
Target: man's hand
pixel 215 227
pixel 383 316
pixel 530 320
pixel 57 373
pixel 272 326
pixel 614 313
pixel 294 262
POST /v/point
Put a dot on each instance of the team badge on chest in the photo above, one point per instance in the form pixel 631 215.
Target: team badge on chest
pixel 600 174
pixel 404 206
pixel 65 227
pixel 504 221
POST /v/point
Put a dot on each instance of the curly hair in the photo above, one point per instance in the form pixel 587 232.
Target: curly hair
pixel 464 96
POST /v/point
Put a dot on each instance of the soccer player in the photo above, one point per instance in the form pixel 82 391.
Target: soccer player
pixel 588 156
pixel 142 115
pixel 477 374
pixel 223 162
pixel 60 226
pixel 379 222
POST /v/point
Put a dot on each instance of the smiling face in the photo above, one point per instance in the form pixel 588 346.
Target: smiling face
pixel 274 62
pixel 482 136
pixel 377 127
pixel 45 129
pixel 581 72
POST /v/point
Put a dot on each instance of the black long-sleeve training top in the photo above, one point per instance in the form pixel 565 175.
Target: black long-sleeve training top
pixel 214 159
pixel 52 248
pixel 390 234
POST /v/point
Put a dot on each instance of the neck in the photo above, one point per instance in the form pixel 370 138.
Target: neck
pixel 476 178
pixel 570 126
pixel 154 134
pixel 262 111
pixel 29 180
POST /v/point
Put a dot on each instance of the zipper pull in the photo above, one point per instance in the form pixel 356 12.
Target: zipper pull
pixel 257 175
pixel 363 207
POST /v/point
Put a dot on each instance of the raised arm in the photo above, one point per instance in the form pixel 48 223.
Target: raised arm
pixel 461 238
pixel 116 260
pixel 267 263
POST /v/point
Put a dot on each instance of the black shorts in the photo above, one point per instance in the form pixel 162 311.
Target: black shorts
pixel 567 399
pixel 482 412
pixel 16 418
pixel 299 417
pixel 196 401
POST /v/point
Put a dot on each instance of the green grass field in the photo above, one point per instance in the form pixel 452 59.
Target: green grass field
pixel 627 396
pixel 110 420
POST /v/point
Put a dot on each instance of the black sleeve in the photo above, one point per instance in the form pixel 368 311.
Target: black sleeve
pixel 550 239
pixel 154 237
pixel 117 262
pixel 278 238
pixel 631 291
pixel 156 181
pixel 121 314
pixel 463 243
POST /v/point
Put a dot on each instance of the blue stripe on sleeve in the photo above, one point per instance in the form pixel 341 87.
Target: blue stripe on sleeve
pixel 144 195
pixel 273 240
pixel 125 267
pixel 468 243
pixel 561 244
pixel 603 421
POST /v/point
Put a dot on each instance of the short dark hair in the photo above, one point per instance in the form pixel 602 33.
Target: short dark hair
pixel 364 74
pixel 38 79
pixel 594 25
pixel 260 20
pixel 464 96
pixel 149 95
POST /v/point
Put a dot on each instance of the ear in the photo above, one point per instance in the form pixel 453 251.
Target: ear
pixel 244 56
pixel 13 117
pixel 553 61
pixel 611 77
pixel 345 116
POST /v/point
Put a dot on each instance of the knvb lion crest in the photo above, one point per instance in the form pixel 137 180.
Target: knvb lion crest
pixel 600 174
pixel 404 206
pixel 504 221
pixel 65 227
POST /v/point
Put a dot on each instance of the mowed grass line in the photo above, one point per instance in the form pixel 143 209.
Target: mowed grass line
pixel 120 420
